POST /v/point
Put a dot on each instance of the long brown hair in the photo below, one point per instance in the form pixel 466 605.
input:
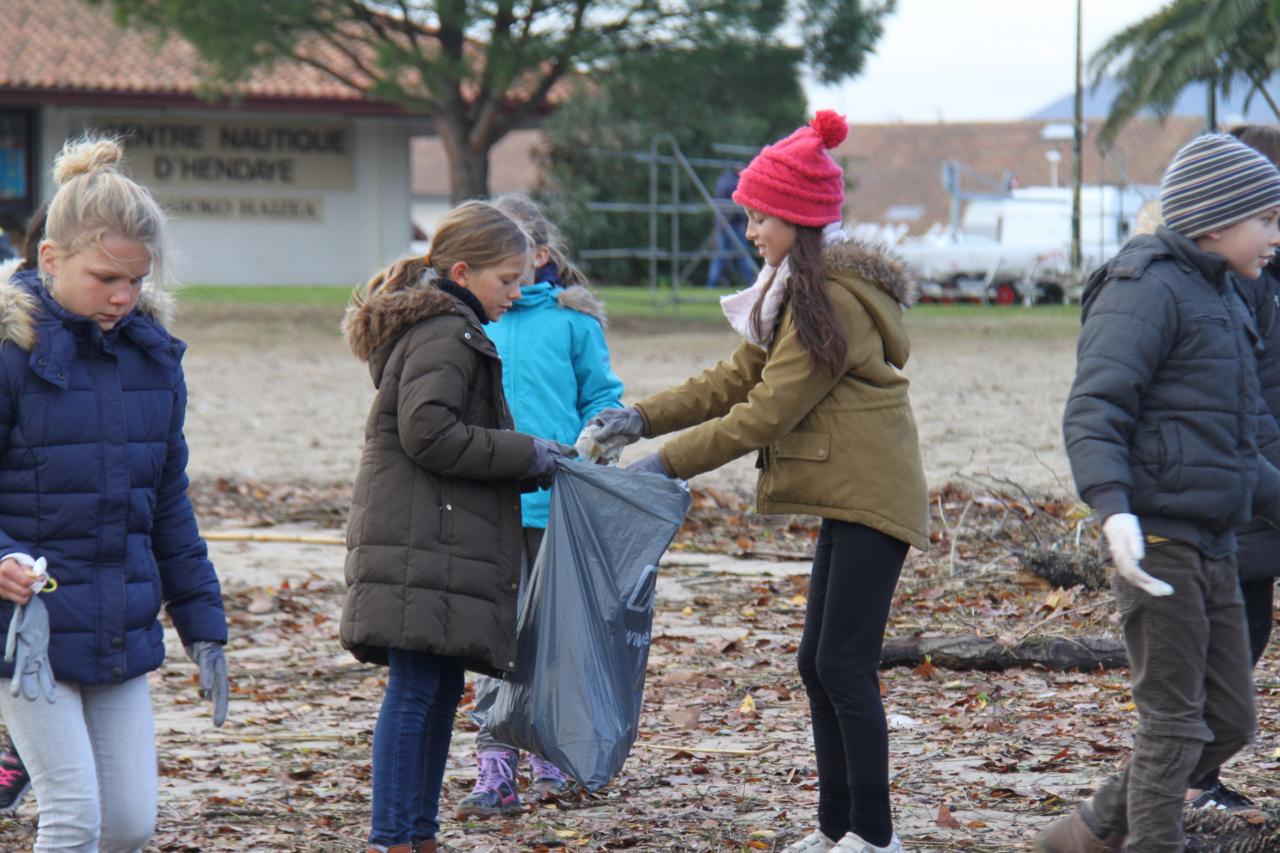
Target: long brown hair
pixel 820 331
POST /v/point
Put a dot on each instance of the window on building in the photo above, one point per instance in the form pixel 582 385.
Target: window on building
pixel 16 191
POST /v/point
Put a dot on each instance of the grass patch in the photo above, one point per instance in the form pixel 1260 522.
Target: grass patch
pixel 970 311
pixel 265 294
pixel 697 306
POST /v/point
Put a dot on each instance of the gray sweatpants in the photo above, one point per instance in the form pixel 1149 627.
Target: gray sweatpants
pixel 92 760
pixel 532 542
pixel 1193 685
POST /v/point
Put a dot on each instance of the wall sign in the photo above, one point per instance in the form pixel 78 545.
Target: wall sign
pixel 235 154
pixel 240 209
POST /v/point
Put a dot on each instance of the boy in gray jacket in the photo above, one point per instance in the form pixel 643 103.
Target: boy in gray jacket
pixel 1161 430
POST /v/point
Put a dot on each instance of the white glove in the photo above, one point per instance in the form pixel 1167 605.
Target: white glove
pixel 1124 538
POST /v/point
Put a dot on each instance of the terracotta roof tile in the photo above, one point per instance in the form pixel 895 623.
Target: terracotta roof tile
pixel 64 45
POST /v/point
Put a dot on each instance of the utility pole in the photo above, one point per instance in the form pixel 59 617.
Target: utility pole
pixel 1211 105
pixel 1077 145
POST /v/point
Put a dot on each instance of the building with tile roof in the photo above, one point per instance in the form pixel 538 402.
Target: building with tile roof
pixel 895 170
pixel 298 179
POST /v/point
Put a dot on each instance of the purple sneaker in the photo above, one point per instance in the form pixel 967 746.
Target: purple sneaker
pixel 547 778
pixel 495 790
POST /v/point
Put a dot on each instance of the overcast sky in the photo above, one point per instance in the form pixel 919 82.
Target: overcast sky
pixel 967 60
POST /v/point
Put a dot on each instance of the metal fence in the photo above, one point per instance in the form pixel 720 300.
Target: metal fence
pixel 679 192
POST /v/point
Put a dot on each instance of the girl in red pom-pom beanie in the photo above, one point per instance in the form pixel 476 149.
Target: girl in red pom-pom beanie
pixel 817 390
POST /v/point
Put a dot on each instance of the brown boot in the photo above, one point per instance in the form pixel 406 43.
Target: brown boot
pixel 1072 835
pixel 427 847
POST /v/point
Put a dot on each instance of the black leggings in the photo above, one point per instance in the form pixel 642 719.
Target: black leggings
pixel 855 570
pixel 1259 601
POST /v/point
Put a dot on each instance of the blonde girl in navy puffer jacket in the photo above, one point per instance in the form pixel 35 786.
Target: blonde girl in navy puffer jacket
pixel 93 479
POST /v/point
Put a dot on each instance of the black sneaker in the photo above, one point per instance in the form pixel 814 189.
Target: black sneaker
pixel 1221 798
pixel 14 781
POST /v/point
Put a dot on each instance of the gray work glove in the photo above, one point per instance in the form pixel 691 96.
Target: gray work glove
pixel 606 452
pixel 542 464
pixel 213 676
pixel 651 464
pixel 626 423
pixel 27 648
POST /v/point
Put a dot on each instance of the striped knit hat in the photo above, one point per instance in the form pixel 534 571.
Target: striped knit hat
pixel 1216 181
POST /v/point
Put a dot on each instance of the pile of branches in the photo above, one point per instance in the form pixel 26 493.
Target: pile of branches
pixel 1251 831
pixel 1055 539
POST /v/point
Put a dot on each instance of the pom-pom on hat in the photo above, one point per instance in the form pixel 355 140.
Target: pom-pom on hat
pixel 795 179
pixel 1216 181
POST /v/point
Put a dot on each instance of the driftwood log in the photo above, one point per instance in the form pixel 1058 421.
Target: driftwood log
pixel 986 653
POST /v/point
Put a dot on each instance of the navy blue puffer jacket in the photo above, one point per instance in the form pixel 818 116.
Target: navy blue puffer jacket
pixel 93 478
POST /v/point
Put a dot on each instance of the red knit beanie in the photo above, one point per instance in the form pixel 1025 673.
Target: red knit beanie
pixel 795 179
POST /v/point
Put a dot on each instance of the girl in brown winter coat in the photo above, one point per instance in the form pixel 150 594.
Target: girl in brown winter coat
pixel 433 540
pixel 817 390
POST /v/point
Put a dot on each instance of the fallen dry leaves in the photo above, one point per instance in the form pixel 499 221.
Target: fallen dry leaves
pixel 723 762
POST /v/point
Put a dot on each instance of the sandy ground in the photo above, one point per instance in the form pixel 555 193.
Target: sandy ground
pixel 278 397
pixel 275 396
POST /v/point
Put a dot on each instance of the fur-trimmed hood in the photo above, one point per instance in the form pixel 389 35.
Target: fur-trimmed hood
pixel 873 264
pixel 20 306
pixel 580 299
pixel 373 322
pixel 879 281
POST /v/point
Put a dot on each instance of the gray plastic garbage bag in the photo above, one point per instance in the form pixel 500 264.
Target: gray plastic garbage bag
pixel 583 628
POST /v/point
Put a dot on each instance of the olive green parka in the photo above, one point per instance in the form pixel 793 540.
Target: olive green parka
pixel 842 447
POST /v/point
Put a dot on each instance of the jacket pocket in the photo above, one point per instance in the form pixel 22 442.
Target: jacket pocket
pixel 796 466
pixel 813 446
pixel 1170 455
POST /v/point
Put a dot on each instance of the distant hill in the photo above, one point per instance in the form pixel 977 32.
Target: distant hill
pixel 1097 103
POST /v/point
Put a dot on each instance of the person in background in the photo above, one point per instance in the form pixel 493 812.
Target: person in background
pixel 15 781
pixel 556 376
pixel 739 263
pixel 11 231
pixel 1258 543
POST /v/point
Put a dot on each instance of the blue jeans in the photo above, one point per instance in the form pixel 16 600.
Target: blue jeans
pixel 411 745
pixel 725 243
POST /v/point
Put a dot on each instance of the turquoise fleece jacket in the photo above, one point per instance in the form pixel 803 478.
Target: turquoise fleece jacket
pixel 555 369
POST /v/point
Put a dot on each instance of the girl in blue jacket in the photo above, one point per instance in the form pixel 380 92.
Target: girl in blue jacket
pixel 556 376
pixel 93 480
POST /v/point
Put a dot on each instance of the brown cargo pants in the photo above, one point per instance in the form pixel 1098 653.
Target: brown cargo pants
pixel 1193 685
